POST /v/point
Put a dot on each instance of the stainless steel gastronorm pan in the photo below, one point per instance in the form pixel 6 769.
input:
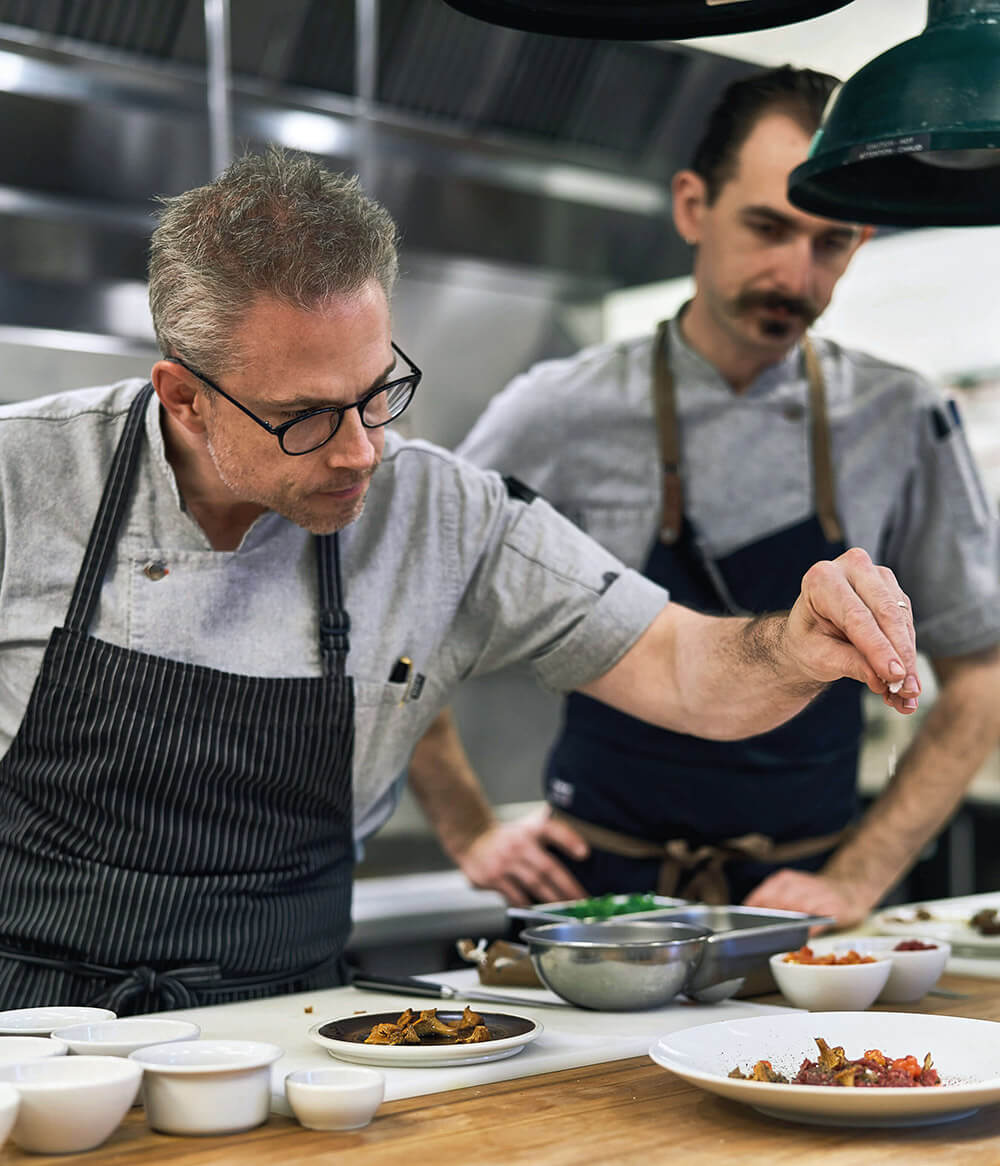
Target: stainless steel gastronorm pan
pixel 735 957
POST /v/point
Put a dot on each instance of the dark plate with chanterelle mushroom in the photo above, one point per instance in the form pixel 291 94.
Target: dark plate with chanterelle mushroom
pixel 425 1036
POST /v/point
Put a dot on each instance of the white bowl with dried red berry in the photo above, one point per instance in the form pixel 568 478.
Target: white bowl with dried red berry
pixel 917 963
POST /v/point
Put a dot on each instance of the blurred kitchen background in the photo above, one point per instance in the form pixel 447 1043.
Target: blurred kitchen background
pixel 530 177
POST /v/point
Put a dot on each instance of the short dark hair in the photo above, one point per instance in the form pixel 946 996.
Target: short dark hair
pixel 802 94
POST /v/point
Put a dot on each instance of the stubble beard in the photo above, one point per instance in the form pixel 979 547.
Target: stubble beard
pixel 291 504
pixel 327 526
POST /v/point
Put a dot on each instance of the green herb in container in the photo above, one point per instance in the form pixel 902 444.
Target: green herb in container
pixel 607 906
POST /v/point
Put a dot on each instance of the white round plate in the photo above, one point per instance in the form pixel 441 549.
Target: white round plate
pixel 965 1054
pixel 42 1021
pixel 344 1039
pixel 950 922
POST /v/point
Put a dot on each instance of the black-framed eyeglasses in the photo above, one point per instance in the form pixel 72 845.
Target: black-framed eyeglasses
pixel 310 430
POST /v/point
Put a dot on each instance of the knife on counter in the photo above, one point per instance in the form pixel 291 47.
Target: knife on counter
pixel 403 985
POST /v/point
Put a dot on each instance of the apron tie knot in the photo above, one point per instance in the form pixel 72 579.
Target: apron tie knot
pixel 704 862
pixel 159 990
pixel 708 883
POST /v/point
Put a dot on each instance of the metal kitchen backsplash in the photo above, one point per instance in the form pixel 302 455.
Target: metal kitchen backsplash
pixel 503 147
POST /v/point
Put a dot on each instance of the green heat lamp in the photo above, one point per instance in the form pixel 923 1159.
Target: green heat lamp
pixel 643 19
pixel 913 138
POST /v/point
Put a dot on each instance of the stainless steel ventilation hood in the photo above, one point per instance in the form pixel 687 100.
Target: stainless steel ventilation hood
pixel 531 153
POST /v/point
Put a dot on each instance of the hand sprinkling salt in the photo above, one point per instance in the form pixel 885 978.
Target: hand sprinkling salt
pixel 895 686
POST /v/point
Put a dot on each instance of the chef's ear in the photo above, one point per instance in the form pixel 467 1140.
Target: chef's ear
pixel 688 202
pixel 179 393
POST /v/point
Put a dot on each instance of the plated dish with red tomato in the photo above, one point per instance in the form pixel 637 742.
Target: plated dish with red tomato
pixel 963 1058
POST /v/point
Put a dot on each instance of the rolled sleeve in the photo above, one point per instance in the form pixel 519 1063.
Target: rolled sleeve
pixel 961 631
pixel 549 595
pixel 604 635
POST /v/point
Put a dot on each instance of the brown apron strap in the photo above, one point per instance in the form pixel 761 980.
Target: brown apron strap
pixel 624 845
pixel 668 431
pixel 824 494
pixel 708 882
pixel 665 410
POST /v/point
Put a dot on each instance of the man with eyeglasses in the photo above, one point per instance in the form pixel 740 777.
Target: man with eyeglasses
pixel 232 600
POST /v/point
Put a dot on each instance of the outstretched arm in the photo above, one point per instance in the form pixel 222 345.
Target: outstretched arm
pixel 721 678
pixel 727 678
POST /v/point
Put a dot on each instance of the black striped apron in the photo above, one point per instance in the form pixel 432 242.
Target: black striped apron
pixel 171 834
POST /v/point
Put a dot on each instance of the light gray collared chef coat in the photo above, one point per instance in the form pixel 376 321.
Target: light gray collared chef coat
pixel 442 567
pixel 581 432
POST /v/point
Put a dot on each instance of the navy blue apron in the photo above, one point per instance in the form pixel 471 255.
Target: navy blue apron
pixel 671 807
pixel 173 835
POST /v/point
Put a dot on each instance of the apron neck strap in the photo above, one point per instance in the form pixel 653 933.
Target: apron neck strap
pixel 824 494
pixel 117 491
pixel 334 623
pixel 665 411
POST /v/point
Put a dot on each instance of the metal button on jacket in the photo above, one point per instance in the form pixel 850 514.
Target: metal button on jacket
pixel 155 570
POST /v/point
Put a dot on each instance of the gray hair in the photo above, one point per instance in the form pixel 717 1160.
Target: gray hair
pixel 274 224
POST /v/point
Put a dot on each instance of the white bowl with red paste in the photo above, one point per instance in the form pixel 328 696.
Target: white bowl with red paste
pixel 828 987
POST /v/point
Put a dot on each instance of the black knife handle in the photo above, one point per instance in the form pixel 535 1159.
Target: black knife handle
pixel 399 984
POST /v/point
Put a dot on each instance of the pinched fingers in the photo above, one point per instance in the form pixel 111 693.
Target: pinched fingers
pixel 901 612
pixel 866 609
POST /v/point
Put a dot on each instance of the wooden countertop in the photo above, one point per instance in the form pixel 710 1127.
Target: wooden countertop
pixel 621 1112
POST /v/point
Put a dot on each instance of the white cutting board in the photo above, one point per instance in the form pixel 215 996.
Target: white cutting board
pixel 572 1036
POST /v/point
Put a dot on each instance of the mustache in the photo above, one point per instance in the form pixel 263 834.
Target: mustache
pixel 799 306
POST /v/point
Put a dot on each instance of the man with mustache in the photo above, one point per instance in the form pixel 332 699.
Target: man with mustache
pixel 721 457
pixel 232 599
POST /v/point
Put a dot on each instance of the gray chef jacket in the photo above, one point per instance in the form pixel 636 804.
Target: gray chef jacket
pixel 443 567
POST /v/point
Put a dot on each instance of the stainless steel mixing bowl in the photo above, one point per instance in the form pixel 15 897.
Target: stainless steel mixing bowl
pixel 616 967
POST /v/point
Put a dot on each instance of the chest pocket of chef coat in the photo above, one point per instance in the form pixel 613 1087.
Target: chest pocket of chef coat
pixel 378 712
pixel 385 732
pixel 381 693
